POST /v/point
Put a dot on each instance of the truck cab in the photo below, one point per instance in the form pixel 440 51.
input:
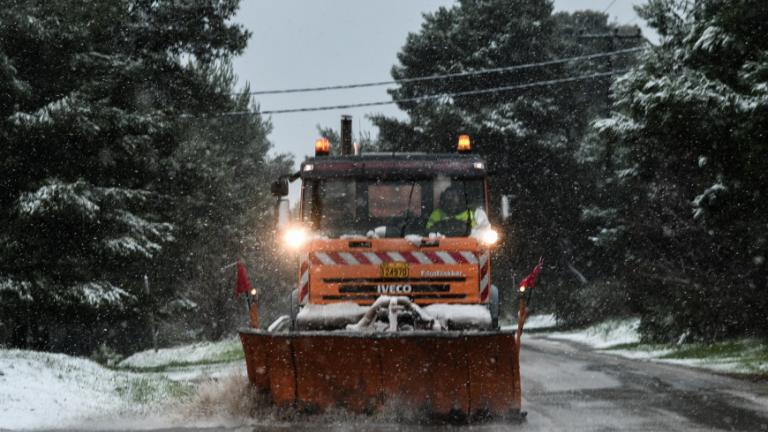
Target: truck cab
pixel 393 224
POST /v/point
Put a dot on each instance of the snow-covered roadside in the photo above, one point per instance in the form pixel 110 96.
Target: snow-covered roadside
pixel 537 322
pixel 202 352
pixel 606 334
pixel 621 337
pixel 534 322
pixel 726 365
pixel 41 390
pixel 51 391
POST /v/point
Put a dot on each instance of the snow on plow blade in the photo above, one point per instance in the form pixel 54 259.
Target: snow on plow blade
pixel 439 375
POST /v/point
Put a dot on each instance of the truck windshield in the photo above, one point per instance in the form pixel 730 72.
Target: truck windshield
pixel 392 208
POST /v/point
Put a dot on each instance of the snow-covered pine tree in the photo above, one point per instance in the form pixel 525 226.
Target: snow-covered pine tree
pixel 224 213
pixel 90 97
pixel 689 229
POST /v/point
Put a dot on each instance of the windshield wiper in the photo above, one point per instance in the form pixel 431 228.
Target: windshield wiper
pixel 407 210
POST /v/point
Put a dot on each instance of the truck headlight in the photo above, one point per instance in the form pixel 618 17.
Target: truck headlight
pixel 489 237
pixel 295 237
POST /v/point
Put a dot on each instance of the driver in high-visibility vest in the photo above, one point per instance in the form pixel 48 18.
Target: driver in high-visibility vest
pixel 452 207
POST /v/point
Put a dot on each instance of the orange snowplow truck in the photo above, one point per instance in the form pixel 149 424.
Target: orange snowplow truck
pixel 394 305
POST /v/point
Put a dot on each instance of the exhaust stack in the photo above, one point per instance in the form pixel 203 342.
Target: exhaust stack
pixel 346 135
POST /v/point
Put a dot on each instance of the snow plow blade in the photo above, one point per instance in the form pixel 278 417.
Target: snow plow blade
pixel 450 376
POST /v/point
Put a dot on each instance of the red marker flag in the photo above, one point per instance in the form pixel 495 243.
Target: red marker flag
pixel 243 285
pixel 530 280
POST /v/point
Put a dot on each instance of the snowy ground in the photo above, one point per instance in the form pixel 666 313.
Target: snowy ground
pixel 203 352
pixel 621 337
pixel 537 322
pixel 203 385
pixel 607 334
pixel 43 390
pixel 533 322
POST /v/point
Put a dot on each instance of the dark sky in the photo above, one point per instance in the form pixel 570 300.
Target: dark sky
pixel 300 43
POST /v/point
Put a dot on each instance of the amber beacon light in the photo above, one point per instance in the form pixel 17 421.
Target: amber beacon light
pixel 465 144
pixel 322 147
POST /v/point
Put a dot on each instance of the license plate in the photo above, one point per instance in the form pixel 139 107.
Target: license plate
pixel 394 270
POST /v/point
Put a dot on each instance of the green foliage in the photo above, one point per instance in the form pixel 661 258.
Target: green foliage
pixel 116 166
pixel 721 350
pixel 227 192
pixel 147 390
pixel 688 139
pixel 235 354
pixel 593 302
pixel 741 356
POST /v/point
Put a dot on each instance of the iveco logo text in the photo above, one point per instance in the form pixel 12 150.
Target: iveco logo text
pixel 451 273
pixel 394 289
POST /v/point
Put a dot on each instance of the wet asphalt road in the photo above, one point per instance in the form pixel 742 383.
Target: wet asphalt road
pixel 567 387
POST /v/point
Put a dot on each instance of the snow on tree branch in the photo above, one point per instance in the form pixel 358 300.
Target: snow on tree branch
pixel 11 285
pixel 55 197
pixel 101 293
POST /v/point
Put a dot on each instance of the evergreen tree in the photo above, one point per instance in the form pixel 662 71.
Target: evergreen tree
pixel 687 219
pixel 90 100
pixel 228 197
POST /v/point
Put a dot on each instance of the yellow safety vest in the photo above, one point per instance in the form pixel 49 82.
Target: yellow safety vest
pixel 439 215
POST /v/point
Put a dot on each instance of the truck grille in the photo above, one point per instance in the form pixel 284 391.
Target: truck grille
pixel 373 297
pixel 426 288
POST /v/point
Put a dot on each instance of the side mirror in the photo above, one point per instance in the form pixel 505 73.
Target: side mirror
pixel 283 210
pixel 504 207
pixel 279 188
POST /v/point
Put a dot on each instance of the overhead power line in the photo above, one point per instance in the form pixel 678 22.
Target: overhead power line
pixel 428 97
pixel 446 76
pixel 609 6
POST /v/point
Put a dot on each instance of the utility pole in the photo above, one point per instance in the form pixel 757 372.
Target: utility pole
pixel 614 39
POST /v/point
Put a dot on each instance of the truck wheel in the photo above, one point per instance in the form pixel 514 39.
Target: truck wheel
pixel 493 306
pixel 294 307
